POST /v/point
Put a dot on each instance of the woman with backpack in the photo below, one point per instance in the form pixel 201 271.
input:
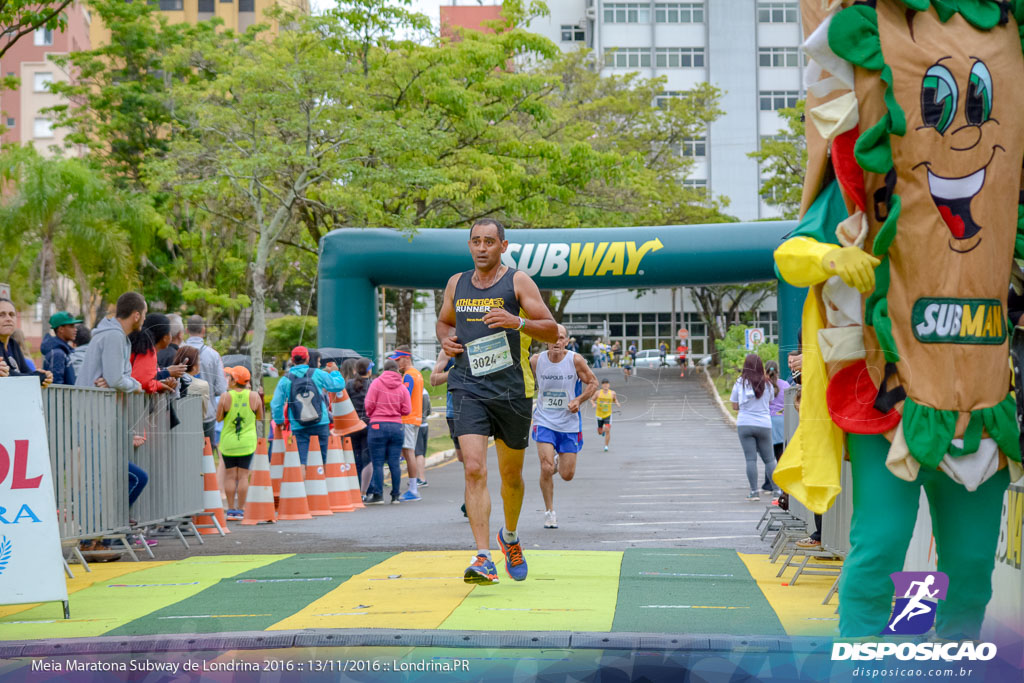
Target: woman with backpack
pixel 387 400
pixel 300 404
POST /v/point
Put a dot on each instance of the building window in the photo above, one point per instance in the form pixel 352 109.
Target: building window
pixel 43 36
pixel 627 57
pixel 573 33
pixel 698 184
pixel 778 56
pixel 679 57
pixel 10 122
pixel 627 13
pixel 776 12
pixel 246 5
pixel 206 5
pixel 41 81
pixel 225 2
pixel 661 100
pixel 171 5
pixel 42 128
pixel 773 100
pixel 694 147
pixel 679 13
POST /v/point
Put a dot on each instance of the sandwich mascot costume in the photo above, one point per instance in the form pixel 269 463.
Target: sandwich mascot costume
pixel 911 220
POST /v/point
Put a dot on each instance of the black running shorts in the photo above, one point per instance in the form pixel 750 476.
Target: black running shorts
pixel 242 461
pixel 602 421
pixel 505 419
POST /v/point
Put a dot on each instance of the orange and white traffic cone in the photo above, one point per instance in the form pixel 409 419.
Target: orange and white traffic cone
pixel 355 497
pixel 346 420
pixel 277 461
pixel 213 520
pixel 316 484
pixel 259 504
pixel 337 482
pixel 292 503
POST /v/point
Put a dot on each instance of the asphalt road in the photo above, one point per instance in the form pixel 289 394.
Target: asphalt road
pixel 674 477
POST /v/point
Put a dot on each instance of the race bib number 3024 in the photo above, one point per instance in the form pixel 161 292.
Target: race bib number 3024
pixel 489 354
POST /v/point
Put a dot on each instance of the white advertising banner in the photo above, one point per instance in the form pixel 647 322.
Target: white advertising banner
pixel 31 569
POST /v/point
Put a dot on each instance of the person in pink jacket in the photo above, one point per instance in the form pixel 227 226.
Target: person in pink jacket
pixel 387 400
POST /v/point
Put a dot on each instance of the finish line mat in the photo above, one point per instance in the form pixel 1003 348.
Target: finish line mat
pixel 640 590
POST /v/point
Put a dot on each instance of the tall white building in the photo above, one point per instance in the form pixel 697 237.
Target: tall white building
pixel 747 48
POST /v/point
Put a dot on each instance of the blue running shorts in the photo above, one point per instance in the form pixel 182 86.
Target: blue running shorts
pixel 564 442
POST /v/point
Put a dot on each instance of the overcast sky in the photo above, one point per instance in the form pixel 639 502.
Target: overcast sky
pixel 429 7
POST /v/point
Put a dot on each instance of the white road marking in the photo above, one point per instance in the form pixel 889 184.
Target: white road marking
pixel 717 521
pixel 687 538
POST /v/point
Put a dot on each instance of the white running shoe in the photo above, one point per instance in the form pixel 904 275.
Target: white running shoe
pixel 556 462
pixel 549 520
pixel 606 449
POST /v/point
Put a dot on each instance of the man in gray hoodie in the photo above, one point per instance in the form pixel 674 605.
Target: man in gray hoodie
pixel 108 359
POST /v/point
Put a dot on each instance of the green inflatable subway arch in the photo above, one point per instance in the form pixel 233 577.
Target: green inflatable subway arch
pixel 355 261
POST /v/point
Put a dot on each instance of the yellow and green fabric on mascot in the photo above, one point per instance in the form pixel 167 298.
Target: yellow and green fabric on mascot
pixel 911 221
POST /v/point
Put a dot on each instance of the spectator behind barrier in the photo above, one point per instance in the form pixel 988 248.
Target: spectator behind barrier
pixel 10 350
pixel 165 357
pixel 108 361
pixel 56 347
pixel 154 337
pixel 190 384
pixel 82 338
pixel 211 369
pixel 108 365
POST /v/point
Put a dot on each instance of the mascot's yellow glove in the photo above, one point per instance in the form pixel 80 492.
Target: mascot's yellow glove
pixel 853 265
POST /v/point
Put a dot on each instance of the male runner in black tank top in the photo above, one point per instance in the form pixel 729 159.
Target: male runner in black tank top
pixel 486 322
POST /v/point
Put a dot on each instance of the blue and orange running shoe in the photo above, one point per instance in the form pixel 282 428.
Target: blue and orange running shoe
pixel 515 563
pixel 481 572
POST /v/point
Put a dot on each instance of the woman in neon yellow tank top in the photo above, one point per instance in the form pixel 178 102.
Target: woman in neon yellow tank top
pixel 239 409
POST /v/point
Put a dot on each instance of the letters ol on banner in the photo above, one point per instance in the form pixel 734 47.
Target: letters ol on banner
pixel 31 569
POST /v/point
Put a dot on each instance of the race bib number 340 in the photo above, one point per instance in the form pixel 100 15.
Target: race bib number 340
pixel 555 400
pixel 489 354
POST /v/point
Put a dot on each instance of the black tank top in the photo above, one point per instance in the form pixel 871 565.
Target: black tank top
pixel 471 304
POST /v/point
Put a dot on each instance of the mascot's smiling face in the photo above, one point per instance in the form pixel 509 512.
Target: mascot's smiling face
pixel 963 123
pixel 959 119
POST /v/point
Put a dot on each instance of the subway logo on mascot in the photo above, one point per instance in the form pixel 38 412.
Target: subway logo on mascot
pixel 589 259
pixel 959 321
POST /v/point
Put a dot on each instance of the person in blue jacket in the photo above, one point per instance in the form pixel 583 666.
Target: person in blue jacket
pixel 56 347
pixel 324 381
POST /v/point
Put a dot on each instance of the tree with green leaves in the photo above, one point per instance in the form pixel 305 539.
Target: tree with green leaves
pixel 722 306
pixel 277 118
pixel 22 17
pixel 76 221
pixel 783 160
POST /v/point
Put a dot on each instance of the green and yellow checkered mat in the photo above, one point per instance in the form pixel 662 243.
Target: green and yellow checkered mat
pixel 639 590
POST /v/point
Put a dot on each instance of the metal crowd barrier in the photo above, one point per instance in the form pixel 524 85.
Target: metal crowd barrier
pixel 172 457
pixel 90 433
pixel 87 456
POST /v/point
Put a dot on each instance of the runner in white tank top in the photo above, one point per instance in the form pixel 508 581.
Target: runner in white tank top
pixel 564 382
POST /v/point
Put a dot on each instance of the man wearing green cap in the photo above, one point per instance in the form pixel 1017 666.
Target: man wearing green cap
pixel 56 347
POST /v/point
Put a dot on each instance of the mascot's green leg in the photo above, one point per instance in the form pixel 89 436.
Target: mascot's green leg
pixel 966 528
pixel 884 513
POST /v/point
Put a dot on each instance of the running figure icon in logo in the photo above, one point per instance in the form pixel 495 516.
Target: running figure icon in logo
pixel 914 613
